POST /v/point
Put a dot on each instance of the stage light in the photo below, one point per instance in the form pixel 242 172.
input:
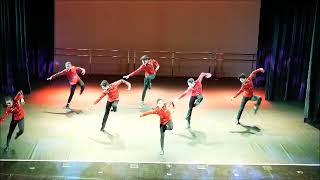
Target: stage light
pixel 32 168
pixel 100 172
pixel 299 172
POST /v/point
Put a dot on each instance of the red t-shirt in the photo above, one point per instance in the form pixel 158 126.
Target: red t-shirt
pixel 196 89
pixel 164 113
pixel 70 73
pixel 149 68
pixel 16 109
pixel 112 91
pixel 247 87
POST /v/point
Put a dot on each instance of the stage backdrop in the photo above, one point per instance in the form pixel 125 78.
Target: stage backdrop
pixel 222 25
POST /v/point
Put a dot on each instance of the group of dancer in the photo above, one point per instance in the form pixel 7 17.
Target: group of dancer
pixel 163 108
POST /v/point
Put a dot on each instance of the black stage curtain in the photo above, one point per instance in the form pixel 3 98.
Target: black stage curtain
pixel 26 43
pixel 312 102
pixel 288 49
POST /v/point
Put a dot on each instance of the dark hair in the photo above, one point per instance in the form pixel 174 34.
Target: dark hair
pixel 190 80
pixel 144 58
pixel 159 100
pixel 242 75
pixel 104 83
pixel 7 98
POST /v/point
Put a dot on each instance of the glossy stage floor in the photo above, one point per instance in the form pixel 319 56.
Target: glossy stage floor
pixel 276 135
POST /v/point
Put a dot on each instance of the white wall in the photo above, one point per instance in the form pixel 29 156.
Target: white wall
pixel 221 25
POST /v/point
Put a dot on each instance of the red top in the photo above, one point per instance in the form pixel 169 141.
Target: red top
pixel 112 91
pixel 196 89
pixel 164 113
pixel 16 109
pixel 247 87
pixel 71 74
pixel 148 68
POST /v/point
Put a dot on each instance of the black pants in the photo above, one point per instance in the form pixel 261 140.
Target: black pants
pixel 13 125
pixel 194 101
pixel 146 85
pixel 114 106
pixel 244 102
pixel 73 88
pixel 163 128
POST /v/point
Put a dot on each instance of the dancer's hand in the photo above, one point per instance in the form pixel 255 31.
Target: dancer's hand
pixel 129 87
pixel 232 98
pixel 83 71
pixel 141 115
pixel 126 77
pixel 49 79
pixel 208 75
pixel 22 101
pixel 262 70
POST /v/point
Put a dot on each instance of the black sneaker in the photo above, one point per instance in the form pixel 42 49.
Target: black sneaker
pixel 102 130
pixel 237 122
pixel 67 106
pixel 6 149
pixel 256 107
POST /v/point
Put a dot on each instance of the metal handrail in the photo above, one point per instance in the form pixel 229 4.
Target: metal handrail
pixel 211 56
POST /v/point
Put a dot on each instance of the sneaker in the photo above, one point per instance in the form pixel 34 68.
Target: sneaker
pixel 102 130
pixel 188 125
pixel 162 152
pixel 6 149
pixel 16 137
pixel 196 102
pixel 67 107
pixel 141 104
pixel 255 109
pixel 237 122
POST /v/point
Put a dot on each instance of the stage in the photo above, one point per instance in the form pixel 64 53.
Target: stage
pixel 276 135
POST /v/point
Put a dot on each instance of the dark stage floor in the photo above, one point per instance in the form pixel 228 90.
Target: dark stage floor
pixel 275 136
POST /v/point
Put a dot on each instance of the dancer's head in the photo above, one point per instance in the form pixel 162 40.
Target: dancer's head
pixel 242 78
pixel 191 82
pixel 160 103
pixel 8 101
pixel 104 84
pixel 68 65
pixel 144 59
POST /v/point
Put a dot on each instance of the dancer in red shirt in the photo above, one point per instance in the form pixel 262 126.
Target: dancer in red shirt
pixel 148 66
pixel 247 89
pixel 163 111
pixel 74 80
pixel 195 88
pixel 15 107
pixel 113 97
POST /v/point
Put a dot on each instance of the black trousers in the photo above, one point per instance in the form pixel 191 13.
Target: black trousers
pixel 146 85
pixel 163 128
pixel 13 125
pixel 109 105
pixel 73 89
pixel 244 102
pixel 193 102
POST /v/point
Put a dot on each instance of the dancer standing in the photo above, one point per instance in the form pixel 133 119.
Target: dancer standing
pixel 163 111
pixel 15 107
pixel 74 80
pixel 150 66
pixel 195 87
pixel 247 88
pixel 113 97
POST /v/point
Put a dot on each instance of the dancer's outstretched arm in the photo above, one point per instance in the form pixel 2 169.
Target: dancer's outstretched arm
pixel 99 99
pixel 117 83
pixel 134 72
pixel 83 71
pixel 253 74
pixel 203 74
pixel 63 72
